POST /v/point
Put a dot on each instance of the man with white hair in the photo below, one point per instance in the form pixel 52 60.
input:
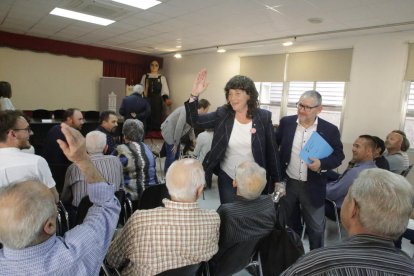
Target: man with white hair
pixel 76 187
pixel 135 106
pixel 251 215
pixel 28 223
pixel 374 213
pixel 177 235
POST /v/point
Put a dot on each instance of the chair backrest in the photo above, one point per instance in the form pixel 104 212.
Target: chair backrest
pixel 126 208
pixel 58 114
pixel 407 171
pixel 189 270
pixel 235 258
pixel 152 196
pixel 62 220
pixel 41 114
pixel 91 115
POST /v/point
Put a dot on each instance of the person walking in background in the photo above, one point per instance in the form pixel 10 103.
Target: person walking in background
pixel 174 128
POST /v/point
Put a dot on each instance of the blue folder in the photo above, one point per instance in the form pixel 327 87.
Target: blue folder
pixel 315 147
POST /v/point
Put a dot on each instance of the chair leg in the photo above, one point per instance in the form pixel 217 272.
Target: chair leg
pixel 303 231
pixel 259 261
pixel 338 224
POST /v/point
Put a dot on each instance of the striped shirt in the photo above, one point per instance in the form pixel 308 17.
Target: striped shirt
pixel 243 220
pixel 164 238
pixel 82 249
pixel 110 168
pixel 358 255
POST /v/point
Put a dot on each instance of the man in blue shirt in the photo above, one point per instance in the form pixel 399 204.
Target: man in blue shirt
pixel 363 158
pixel 28 223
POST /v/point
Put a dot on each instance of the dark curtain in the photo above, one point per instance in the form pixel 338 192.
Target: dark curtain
pixel 132 72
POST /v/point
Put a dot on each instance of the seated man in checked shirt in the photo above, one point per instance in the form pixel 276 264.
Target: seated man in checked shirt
pixel 28 222
pixel 173 236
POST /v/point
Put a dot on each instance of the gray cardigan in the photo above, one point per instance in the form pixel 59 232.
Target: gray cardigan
pixel 175 127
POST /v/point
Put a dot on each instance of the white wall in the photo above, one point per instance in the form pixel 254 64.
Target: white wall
pixel 181 73
pixel 373 104
pixel 41 80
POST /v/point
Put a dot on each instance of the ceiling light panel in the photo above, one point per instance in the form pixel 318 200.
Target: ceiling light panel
pixel 81 17
pixel 140 4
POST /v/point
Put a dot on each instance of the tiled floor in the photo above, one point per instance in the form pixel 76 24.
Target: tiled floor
pixel 212 201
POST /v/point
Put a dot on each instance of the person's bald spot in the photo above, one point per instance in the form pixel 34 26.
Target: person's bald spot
pixel 181 172
pixel 185 180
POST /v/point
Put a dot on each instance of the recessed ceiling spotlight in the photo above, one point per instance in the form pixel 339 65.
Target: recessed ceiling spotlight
pixel 315 20
pixel 287 43
pixel 177 55
pixel 220 50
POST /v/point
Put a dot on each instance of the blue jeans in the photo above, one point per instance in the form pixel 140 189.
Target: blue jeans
pixel 169 156
pixel 225 186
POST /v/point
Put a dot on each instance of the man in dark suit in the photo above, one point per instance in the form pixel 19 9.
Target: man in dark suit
pixel 306 183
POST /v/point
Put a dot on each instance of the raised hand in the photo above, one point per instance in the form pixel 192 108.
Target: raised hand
pixel 200 84
pixel 75 150
pixel 75 146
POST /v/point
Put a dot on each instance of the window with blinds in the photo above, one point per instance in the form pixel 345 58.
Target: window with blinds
pixel 409 117
pixel 272 95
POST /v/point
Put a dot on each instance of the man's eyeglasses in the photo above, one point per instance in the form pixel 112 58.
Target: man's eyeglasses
pixel 28 129
pixel 305 107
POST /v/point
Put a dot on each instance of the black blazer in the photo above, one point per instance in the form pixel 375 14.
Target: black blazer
pixel 264 147
pixel 317 181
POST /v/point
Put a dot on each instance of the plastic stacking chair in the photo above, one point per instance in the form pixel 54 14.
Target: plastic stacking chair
pixel 91 115
pixel 62 220
pixel 242 255
pixel 337 220
pixel 152 196
pixel 58 114
pixel 41 114
pixel 107 270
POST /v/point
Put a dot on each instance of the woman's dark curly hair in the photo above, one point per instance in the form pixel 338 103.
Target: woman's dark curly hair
pixel 246 84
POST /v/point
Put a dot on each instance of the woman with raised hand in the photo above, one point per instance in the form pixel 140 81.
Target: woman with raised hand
pixel 242 131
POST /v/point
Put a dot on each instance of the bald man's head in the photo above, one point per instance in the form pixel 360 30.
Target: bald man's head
pixel 25 208
pixel 250 180
pixel 185 180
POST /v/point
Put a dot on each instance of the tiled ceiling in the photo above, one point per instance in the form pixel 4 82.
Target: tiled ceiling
pixel 203 24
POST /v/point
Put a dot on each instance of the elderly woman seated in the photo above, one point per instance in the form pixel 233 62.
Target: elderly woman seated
pixel 137 159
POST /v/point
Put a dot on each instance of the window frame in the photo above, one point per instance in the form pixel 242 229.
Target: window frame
pixel 284 103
